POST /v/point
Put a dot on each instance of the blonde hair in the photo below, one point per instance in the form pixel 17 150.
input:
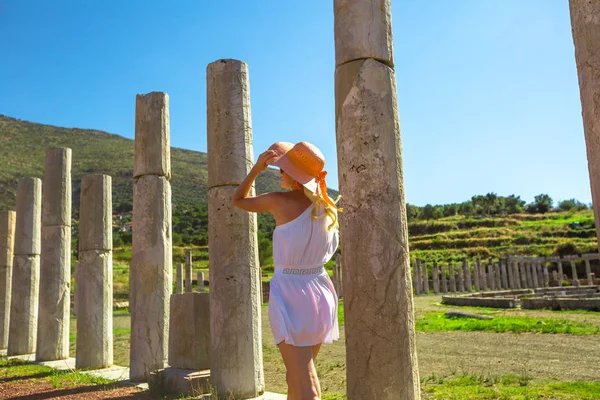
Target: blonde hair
pixel 329 210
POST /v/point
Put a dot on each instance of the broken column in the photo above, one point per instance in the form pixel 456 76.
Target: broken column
pixel 55 261
pixel 574 272
pixel 425 278
pixel 7 242
pixel 93 277
pixel 540 275
pixel 588 270
pixel 504 274
pixel 436 278
pixel 150 275
pixel 418 284
pixel 561 275
pixel 188 271
pixel 546 277
pixel 523 275
pixel 585 24
pixel 179 279
pixel 460 278
pixel 467 276
pixel 200 278
pixel 452 278
pixel 369 158
pixel 444 280
pixel 490 277
pixel 235 285
pixel 476 276
pixel 26 268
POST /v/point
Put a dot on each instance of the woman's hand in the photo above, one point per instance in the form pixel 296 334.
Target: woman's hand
pixel 261 163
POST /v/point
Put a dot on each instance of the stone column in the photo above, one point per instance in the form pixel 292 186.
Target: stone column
pixel 460 277
pixel 7 243
pixel 188 271
pixel 93 277
pixel 491 280
pixel 527 266
pixel 444 280
pixel 26 268
pixel 179 279
pixel 55 261
pixel 585 24
pixel 516 280
pixel 561 275
pixel 540 275
pixel 574 272
pixel 523 274
pixel 588 270
pixel 425 278
pixel 236 357
pixel 498 275
pixel 418 284
pixel 509 270
pixel 452 278
pixel 436 278
pixel 482 278
pixel 504 273
pixel 546 277
pixel 369 158
pixel 476 277
pixel 150 275
pixel 467 275
pixel 200 278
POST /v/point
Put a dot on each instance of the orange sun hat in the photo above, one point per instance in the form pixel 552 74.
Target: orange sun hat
pixel 304 162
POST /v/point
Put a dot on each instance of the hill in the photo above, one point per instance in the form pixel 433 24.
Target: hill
pixel 23 153
pixel 524 234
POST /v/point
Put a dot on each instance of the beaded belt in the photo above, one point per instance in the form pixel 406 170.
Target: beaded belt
pixel 303 271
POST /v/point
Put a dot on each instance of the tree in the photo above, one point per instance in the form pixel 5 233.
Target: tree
pixel 466 208
pixel 571 204
pixel 412 212
pixel 427 212
pixel 542 203
pixel 514 204
pixel 450 210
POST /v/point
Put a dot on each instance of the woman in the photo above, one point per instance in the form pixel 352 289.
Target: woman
pixel 302 302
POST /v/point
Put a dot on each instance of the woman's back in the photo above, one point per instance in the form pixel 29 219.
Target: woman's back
pixel 305 242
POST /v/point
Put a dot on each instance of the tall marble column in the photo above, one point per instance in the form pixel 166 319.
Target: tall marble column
pixel 236 357
pixel 150 275
pixel 371 178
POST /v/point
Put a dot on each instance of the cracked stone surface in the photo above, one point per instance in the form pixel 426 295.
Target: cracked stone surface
pixel 152 152
pixel 379 319
pixel 150 275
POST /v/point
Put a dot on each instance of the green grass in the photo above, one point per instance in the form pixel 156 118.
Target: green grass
pixel 513 387
pixel 437 322
pixel 10 368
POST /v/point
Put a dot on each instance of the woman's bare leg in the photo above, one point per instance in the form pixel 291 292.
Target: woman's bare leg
pixel 303 383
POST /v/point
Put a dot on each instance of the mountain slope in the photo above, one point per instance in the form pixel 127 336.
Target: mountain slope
pixel 23 147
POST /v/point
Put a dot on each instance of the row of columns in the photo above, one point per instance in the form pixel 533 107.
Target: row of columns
pixel 511 273
pixel 35 246
pixel 179 280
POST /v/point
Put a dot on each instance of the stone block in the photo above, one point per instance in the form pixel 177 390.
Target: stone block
pixel 54 294
pixel 93 292
pixel 24 305
pixel 95 223
pixel 152 152
pixel 56 209
pixel 150 275
pixel 184 381
pixel 229 122
pixel 363 29
pixel 29 216
pixel 189 331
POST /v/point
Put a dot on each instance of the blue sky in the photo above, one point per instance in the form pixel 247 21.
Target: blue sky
pixel 487 90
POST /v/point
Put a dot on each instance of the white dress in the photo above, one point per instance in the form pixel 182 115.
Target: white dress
pixel 303 303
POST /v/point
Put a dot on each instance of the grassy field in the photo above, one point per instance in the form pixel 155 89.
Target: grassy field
pixel 519 354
